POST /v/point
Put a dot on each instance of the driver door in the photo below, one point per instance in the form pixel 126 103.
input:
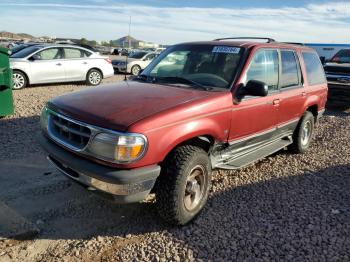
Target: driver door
pixel 254 119
pixel 46 66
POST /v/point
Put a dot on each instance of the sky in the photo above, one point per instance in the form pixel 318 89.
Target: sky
pixel 170 22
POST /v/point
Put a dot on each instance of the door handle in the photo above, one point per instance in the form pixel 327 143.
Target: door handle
pixel 84 63
pixel 276 102
pixel 59 64
pixel 303 93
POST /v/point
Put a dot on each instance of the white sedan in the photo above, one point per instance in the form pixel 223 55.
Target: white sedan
pixel 40 64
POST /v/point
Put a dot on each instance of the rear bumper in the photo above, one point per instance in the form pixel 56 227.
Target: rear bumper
pixel 339 93
pixel 108 71
pixel 126 186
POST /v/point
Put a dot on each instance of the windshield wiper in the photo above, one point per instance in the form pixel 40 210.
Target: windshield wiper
pixel 182 80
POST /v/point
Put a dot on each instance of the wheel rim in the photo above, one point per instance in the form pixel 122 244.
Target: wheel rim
pixel 135 70
pixel 195 187
pixel 307 129
pixel 18 81
pixel 95 78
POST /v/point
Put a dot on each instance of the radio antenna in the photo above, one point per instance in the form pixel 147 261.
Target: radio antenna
pixel 126 58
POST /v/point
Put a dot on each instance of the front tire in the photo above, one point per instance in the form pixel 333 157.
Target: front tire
pixel 303 134
pixel 19 80
pixel 94 77
pixel 135 70
pixel 183 186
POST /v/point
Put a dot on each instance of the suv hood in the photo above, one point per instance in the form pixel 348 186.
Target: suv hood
pixel 117 106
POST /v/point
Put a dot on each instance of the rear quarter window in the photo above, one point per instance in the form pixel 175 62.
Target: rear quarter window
pixel 314 68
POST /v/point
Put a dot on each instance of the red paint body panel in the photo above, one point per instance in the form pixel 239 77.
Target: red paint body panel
pixel 117 106
pixel 207 116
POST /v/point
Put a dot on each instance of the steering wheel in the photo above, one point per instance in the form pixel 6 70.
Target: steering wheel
pixel 208 79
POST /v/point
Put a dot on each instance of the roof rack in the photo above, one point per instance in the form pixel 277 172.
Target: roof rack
pixel 269 40
pixel 294 43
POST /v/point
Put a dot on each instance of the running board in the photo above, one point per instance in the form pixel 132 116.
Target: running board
pixel 253 156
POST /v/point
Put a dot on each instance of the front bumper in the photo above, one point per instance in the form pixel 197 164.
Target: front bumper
pixel 119 68
pixel 126 186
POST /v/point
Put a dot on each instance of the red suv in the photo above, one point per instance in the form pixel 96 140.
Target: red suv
pixel 199 106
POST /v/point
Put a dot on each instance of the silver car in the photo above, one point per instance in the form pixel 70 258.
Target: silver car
pixel 40 64
pixel 136 61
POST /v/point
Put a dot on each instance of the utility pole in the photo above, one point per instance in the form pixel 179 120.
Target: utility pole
pixel 129 32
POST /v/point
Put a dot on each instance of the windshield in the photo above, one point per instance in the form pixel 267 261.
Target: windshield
pixel 25 52
pixel 206 65
pixel 343 56
pixel 18 48
pixel 137 55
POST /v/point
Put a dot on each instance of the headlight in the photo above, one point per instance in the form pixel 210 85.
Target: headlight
pixel 118 148
pixel 44 118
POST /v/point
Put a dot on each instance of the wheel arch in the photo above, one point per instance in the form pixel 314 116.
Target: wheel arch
pixel 313 109
pixel 204 141
pixel 24 73
pixel 95 68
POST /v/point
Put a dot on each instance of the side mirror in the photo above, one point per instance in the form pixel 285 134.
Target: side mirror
pixel 35 57
pixel 256 88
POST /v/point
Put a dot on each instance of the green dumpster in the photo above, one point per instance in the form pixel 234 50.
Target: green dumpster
pixel 6 100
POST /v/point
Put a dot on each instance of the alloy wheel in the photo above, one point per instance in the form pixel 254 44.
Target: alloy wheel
pixel 195 188
pixel 18 81
pixel 95 78
pixel 307 129
pixel 135 70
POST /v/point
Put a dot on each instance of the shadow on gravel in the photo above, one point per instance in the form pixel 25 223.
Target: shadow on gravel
pixel 296 218
pixel 301 217
pixel 17 136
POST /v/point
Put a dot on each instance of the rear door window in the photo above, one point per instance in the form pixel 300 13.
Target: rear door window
pixel 290 69
pixel 314 68
pixel 264 67
pixel 71 53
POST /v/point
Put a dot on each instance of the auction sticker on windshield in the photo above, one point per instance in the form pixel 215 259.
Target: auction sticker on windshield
pixel 226 49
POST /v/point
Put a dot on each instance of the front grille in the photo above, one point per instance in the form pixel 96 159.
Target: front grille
pixel 68 132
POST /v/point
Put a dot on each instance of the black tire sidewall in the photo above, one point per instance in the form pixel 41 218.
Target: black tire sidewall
pixel 202 160
pixel 308 117
pixel 88 77
pixel 171 185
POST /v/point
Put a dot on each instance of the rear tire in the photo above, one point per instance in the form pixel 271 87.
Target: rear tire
pixel 19 80
pixel 94 77
pixel 303 134
pixel 183 186
pixel 135 70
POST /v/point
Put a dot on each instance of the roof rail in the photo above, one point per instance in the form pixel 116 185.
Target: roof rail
pixel 269 40
pixel 294 43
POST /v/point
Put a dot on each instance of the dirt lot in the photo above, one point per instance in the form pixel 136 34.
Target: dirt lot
pixel 284 208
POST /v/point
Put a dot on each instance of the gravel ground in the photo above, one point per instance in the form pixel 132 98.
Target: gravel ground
pixel 284 208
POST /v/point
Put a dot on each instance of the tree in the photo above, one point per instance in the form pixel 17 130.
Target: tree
pixel 93 42
pixel 83 41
